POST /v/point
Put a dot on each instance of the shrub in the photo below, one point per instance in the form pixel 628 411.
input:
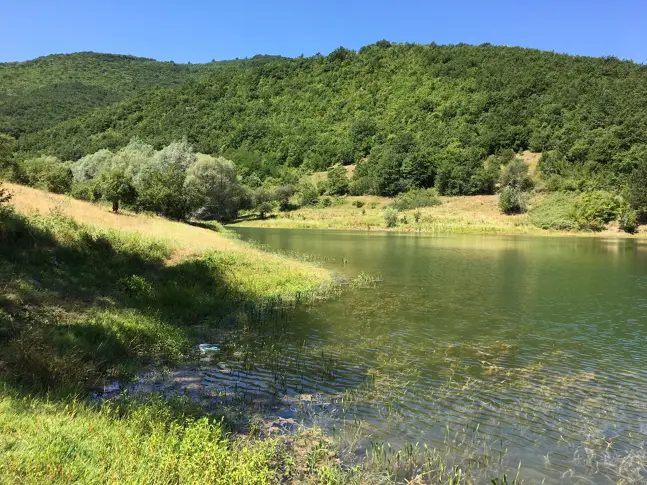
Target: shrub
pixel 416 198
pixel 337 180
pixel 308 194
pixel 48 173
pixel 593 210
pixel 90 191
pixel 515 174
pixel 282 194
pixel 360 186
pixel 325 202
pixel 556 211
pixel 5 197
pixel 417 215
pixel 627 218
pixel 391 217
pixel 358 203
pixel 512 200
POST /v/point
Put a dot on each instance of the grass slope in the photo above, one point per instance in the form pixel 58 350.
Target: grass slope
pixel 87 297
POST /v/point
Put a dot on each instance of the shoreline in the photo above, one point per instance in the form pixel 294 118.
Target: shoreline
pixel 464 230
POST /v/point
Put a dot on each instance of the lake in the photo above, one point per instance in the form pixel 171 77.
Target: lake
pixel 494 349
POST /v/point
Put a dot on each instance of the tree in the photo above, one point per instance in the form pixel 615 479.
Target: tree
pixel 515 174
pixel 637 189
pixel 90 166
pixel 160 179
pixel 262 201
pixel 116 187
pixel 282 195
pixel 512 200
pixel 214 183
pixel 47 172
pixel 337 183
pixel 7 149
pixel 309 195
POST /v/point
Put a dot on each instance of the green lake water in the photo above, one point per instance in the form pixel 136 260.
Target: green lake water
pixel 528 350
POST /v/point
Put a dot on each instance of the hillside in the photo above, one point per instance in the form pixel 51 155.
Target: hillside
pixel 425 114
pixel 39 93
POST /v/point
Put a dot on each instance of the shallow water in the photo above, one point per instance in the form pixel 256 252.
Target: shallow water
pixel 477 345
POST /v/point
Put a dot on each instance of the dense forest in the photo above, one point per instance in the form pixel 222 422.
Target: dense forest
pixel 39 93
pixel 409 116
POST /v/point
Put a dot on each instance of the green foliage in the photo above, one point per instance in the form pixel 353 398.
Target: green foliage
pixel 262 201
pixel 282 194
pixel 7 148
pixel 627 218
pixel 435 112
pixel 593 210
pixel 555 211
pixel 515 174
pixel 5 197
pixel 512 200
pixel 214 185
pixel 391 217
pixel 91 165
pixel 358 203
pixel 337 181
pixel 89 191
pixel 637 190
pixel 416 198
pixel 308 194
pixel 47 172
pixel 39 93
pixel 116 186
pixel 325 202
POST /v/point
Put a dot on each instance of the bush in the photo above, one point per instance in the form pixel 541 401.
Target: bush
pixel 325 202
pixel 337 181
pixel 308 194
pixel 90 191
pixel 282 194
pixel 47 173
pixel 391 217
pixel 556 211
pixel 416 198
pixel 593 210
pixel 512 200
pixel 515 174
pixel 5 197
pixel 360 186
pixel 358 203
pixel 627 218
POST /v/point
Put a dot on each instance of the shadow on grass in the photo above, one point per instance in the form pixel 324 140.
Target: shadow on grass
pixel 78 307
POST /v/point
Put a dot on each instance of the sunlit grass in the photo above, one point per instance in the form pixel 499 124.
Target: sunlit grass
pixel 478 214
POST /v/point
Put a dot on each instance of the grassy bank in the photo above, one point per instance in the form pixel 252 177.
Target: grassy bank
pixel 478 214
pixel 87 298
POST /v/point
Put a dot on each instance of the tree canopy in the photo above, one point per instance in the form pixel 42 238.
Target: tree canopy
pixel 408 115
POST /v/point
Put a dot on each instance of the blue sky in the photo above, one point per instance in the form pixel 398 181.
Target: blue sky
pixel 202 30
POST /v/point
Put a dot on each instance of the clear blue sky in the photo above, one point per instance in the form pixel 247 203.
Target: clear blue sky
pixel 201 30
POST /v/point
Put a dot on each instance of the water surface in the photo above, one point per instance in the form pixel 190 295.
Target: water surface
pixel 534 346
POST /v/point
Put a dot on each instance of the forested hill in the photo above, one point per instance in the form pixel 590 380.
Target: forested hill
pixel 39 93
pixel 427 114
